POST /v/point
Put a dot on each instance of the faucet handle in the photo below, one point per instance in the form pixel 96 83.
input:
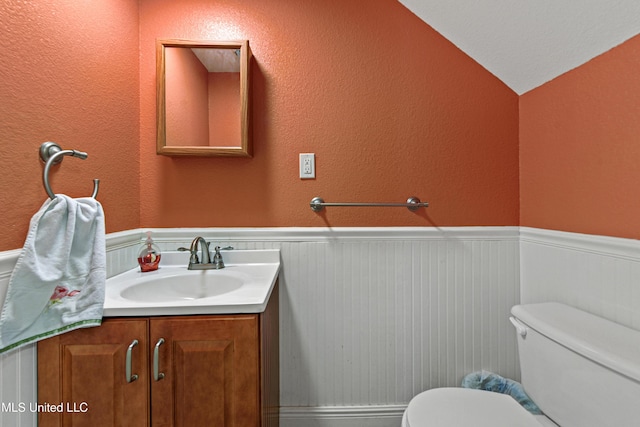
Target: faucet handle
pixel 217 258
pixel 193 259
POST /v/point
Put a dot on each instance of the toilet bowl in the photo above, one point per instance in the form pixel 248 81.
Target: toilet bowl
pixel 467 407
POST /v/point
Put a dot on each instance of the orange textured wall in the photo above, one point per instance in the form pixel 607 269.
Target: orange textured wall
pixel 390 108
pixel 69 74
pixel 579 148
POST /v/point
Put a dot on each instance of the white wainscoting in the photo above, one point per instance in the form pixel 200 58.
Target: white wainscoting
pixel 17 368
pixel 597 274
pixel 369 316
pixel 372 316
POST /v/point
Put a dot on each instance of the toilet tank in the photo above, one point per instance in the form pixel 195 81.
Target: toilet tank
pixel 581 370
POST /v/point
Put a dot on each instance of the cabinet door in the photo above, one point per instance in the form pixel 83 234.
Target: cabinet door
pixel 210 367
pixel 84 371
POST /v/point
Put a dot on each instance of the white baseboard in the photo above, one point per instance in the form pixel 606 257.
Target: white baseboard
pixel 342 416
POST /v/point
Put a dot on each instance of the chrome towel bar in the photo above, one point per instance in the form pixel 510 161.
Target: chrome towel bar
pixel 413 203
pixel 52 154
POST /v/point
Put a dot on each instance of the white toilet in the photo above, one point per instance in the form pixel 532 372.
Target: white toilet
pixel 581 370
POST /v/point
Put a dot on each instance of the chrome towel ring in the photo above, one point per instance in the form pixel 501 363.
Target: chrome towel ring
pixel 52 154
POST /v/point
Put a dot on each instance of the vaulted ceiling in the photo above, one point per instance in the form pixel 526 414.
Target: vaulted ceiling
pixel 526 43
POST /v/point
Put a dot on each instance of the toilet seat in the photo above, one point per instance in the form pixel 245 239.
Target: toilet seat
pixel 453 407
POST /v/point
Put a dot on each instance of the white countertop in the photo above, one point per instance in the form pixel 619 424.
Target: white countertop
pixel 257 269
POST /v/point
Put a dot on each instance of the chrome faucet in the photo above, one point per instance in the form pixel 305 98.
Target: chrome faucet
pixel 205 264
pixel 194 262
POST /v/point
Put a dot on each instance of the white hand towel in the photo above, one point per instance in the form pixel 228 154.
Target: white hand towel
pixel 58 282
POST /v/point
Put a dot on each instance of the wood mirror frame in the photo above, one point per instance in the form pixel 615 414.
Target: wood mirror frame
pixel 185 144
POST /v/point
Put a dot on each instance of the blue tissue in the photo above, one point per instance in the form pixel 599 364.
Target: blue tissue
pixel 485 380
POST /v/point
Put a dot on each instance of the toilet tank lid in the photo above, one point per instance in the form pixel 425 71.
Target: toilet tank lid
pixel 603 341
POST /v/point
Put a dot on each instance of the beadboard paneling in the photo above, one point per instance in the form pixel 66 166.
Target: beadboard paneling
pixel 373 316
pixel 368 317
pixel 374 323
pixel 598 274
pixel 17 368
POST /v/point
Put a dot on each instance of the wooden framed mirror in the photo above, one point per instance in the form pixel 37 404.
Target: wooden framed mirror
pixel 203 99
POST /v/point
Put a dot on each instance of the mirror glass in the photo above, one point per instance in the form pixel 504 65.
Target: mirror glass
pixel 203 98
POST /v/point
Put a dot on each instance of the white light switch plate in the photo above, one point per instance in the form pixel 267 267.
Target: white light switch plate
pixel 307 165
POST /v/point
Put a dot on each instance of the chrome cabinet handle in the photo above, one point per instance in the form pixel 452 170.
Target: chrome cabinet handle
pixel 157 376
pixel 127 367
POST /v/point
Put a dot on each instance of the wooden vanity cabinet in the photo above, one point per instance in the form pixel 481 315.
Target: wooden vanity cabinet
pixel 208 371
pixel 218 370
pixel 85 370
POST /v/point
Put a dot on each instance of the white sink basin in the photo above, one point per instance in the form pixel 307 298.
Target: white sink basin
pixel 243 286
pixel 187 285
